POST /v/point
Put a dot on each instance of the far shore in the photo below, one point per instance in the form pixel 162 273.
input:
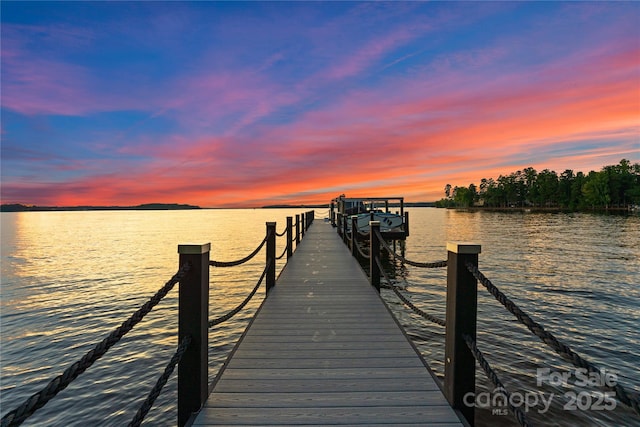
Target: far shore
pixel 16 207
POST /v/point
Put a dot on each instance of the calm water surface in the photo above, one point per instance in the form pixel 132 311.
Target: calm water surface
pixel 70 278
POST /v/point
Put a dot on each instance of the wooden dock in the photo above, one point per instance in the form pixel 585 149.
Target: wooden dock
pixel 324 350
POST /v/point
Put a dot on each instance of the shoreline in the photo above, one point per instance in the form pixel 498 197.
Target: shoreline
pixel 519 209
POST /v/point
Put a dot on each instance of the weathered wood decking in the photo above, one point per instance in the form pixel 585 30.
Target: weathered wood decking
pixel 324 350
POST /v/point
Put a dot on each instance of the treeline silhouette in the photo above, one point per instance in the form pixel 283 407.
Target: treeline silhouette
pixel 616 186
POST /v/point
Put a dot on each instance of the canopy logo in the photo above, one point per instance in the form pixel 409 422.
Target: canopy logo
pixel 499 400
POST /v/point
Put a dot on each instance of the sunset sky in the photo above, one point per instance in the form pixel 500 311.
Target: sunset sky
pixel 232 104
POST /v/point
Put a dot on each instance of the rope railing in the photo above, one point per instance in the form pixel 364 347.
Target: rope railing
pixel 404 299
pixel 155 391
pixel 59 383
pixel 240 261
pixel 437 264
pixel 362 254
pixel 284 252
pixel 548 338
pixel 493 377
pixel 283 232
pixel 236 310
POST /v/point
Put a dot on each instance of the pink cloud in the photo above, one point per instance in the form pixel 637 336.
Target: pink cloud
pixel 356 62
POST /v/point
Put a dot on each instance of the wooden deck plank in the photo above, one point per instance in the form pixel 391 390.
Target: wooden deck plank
pixel 323 349
pixel 425 415
pixel 333 399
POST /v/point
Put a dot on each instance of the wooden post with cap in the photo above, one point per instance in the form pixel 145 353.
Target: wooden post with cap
pixel 193 320
pixel 462 297
pixel 289 237
pixel 271 256
pixel 354 235
pixel 374 252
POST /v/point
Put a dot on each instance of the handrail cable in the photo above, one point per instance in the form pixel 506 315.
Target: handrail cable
pixel 233 312
pixel 493 377
pixel 437 264
pixel 59 383
pixel 283 232
pixel 162 380
pixel 408 303
pixel 548 338
pixel 240 261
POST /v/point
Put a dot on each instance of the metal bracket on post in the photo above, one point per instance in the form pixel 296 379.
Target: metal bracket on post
pixel 193 320
pixel 462 297
pixel 374 252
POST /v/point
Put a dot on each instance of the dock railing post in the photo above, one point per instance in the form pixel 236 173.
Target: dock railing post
pixel 271 256
pixel 303 227
pixel 289 237
pixel 193 320
pixel 297 230
pixel 332 213
pixel 345 234
pixel 462 296
pixel 406 224
pixel 354 234
pixel 374 252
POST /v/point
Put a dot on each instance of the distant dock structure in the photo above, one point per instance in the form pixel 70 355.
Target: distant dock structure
pixel 347 213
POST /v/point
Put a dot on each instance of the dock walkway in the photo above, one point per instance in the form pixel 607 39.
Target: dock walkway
pixel 324 350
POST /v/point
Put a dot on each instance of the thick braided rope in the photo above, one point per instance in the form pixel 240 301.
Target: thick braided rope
pixel 415 309
pixel 155 391
pixel 235 311
pixel 406 301
pixel 548 338
pixel 282 254
pixel 240 261
pixel 362 254
pixel 59 383
pixel 493 377
pixel 437 264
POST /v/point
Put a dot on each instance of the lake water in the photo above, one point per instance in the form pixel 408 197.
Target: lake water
pixel 70 278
